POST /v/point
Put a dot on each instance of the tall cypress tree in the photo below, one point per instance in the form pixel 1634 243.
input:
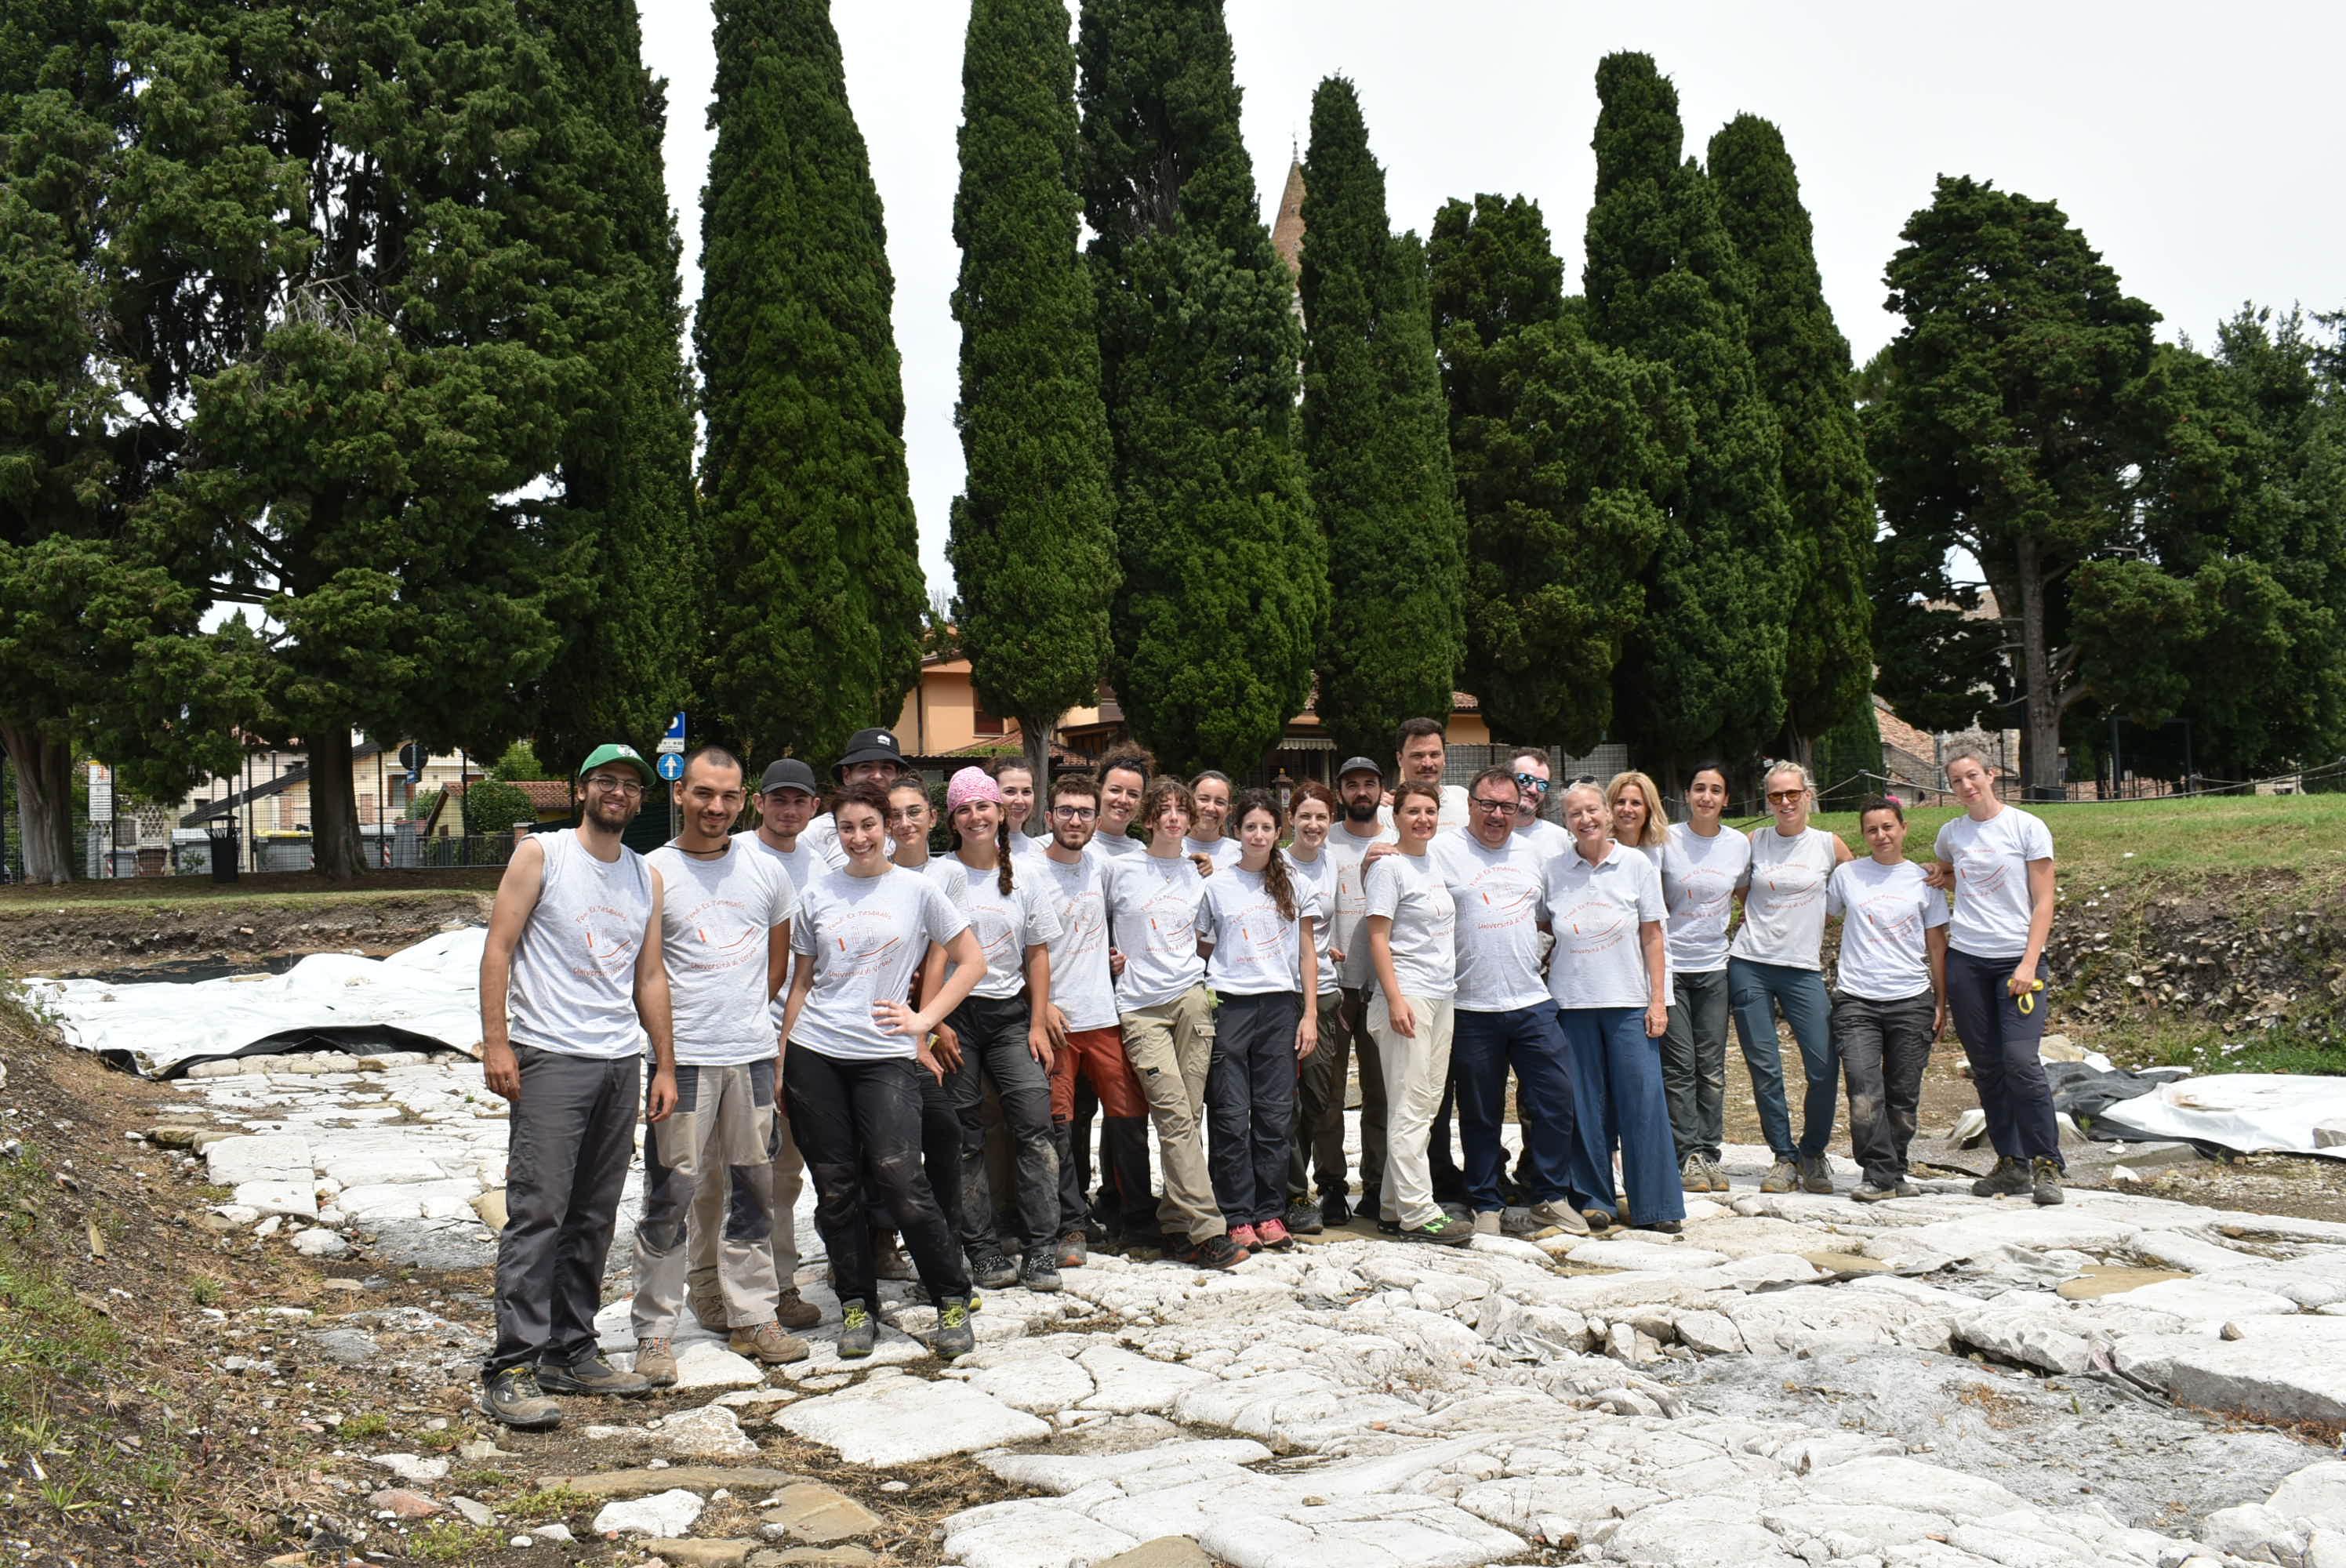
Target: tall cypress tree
pixel 624 483
pixel 1560 446
pixel 1803 365
pixel 1706 671
pixel 1380 457
pixel 815 572
pixel 1225 594
pixel 1033 542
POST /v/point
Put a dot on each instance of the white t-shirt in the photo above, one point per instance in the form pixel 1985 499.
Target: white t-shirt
pixel 1408 891
pixel 573 983
pixel 801 865
pixel 1223 852
pixel 1321 874
pixel 1884 911
pixel 1597 914
pixel 1498 896
pixel 1152 910
pixel 1700 877
pixel 1007 926
pixel 1344 932
pixel 1022 842
pixel 1654 855
pixel 1257 951
pixel 716 918
pixel 865 937
pixel 1551 838
pixel 1454 810
pixel 947 872
pixel 1784 911
pixel 1991 861
pixel 1081 987
pixel 1114 846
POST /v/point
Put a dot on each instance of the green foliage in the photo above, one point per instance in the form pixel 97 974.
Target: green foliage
pixel 492 807
pixel 1803 367
pixel 1850 748
pixel 806 506
pixel 422 805
pixel 1373 433
pixel 1560 446
pixel 1225 594
pixel 1033 544
pixel 1663 280
pixel 519 761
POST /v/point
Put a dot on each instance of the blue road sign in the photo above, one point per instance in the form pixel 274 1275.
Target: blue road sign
pixel 676 727
pixel 672 766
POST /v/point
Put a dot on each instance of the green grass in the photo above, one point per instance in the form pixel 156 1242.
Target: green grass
pixel 276 889
pixel 446 1541
pixel 2307 1047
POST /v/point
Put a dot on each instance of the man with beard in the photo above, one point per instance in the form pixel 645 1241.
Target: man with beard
pixel 1325 1074
pixel 1422 753
pixel 572 983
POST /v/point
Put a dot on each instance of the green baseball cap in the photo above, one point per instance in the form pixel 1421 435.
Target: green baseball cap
pixel 615 752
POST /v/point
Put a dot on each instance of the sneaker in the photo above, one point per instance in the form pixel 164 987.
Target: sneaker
pixel 1694 1176
pixel 1244 1239
pixel 1214 1252
pixel 1388 1226
pixel 766 1344
pixel 1867 1192
pixel 954 1336
pixel 1039 1272
pixel 1783 1176
pixel 1719 1182
pixel 655 1362
pixel 709 1311
pixel 989 1270
pixel 1144 1248
pixel 1441 1231
pixel 1557 1216
pixel 1272 1232
pixel 1490 1222
pixel 795 1311
pixel 856 1330
pixel 1334 1211
pixel 1302 1219
pixel 1075 1250
pixel 1816 1175
pixel 1906 1189
pixel 2046 1182
pixel 2009 1177
pixel 591 1375
pixel 514 1397
pixel 888 1261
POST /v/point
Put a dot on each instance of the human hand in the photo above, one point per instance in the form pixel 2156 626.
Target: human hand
pixel 1657 1020
pixel 502 1071
pixel 662 1100
pixel 1404 1017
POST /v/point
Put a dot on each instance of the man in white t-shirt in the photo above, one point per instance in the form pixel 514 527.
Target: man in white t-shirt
pixel 1533 791
pixel 1322 1086
pixel 725 938
pixel 873 757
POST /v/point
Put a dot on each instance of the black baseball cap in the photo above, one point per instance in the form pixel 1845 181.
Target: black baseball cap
pixel 869 746
pixel 790 773
pixel 1360 765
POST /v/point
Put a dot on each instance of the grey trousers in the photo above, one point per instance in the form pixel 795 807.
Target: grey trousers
pixel 1694 1062
pixel 725 1122
pixel 1884 1046
pixel 569 1140
pixel 1320 1090
pixel 722 1213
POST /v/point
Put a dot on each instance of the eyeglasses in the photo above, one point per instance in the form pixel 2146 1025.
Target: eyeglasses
pixel 1531 781
pixel 1482 805
pixel 1075 813
pixel 1784 797
pixel 616 786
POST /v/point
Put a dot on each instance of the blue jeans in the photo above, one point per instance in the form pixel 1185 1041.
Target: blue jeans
pixel 1483 1047
pixel 1756 993
pixel 1616 1084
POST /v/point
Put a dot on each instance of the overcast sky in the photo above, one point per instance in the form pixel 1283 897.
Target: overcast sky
pixel 2197 145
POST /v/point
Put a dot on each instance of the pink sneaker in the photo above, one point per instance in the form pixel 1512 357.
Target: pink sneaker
pixel 1244 1239
pixel 1273 1233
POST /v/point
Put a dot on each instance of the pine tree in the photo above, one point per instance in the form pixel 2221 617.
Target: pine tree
pixel 1033 542
pixel 1374 435
pixel 1560 447
pixel 625 485
pixel 1225 595
pixel 815 623
pixel 1803 365
pixel 1705 669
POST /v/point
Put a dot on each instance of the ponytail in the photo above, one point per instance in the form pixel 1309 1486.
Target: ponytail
pixel 1002 854
pixel 1275 880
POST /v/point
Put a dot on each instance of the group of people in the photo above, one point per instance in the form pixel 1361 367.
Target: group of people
pixel 824 996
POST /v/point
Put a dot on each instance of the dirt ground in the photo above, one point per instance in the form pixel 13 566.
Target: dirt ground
pixel 81 935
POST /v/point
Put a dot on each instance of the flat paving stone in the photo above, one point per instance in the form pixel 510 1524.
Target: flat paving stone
pixel 892 1418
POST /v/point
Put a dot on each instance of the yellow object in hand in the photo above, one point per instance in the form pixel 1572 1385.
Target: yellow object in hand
pixel 2028 997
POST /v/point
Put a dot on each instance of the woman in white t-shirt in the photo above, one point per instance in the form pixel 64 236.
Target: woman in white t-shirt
pixel 1703 864
pixel 911 819
pixel 1776 962
pixel 1319 1089
pixel 1999 859
pixel 1892 1001
pixel 1263 968
pixel 851 1068
pixel 1412 927
pixel 1603 902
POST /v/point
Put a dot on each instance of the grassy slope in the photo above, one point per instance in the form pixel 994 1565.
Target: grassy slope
pixel 277 889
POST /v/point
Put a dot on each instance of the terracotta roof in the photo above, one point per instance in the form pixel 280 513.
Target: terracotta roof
pixel 543 794
pixel 1008 746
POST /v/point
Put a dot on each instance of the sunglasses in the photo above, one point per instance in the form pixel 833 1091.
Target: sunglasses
pixel 1531 781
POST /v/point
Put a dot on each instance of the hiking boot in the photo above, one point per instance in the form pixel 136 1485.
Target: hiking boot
pixel 795 1311
pixel 1693 1175
pixel 1302 1219
pixel 655 1362
pixel 1815 1174
pixel 1556 1216
pixel 1388 1226
pixel 1244 1239
pixel 989 1270
pixel 856 1330
pixel 1214 1252
pixel 1074 1250
pixel 1489 1222
pixel 709 1311
pixel 1273 1233
pixel 591 1374
pixel 954 1336
pixel 1441 1231
pixel 1783 1176
pixel 1867 1192
pixel 888 1261
pixel 514 1397
pixel 768 1345
pixel 1334 1211
pixel 1144 1248
pixel 1906 1189
pixel 2046 1184
pixel 2009 1177
pixel 1717 1173
pixel 1039 1272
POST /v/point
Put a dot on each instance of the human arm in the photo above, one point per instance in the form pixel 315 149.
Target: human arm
pixel 1397 1008
pixel 518 893
pixel 1935 943
pixel 968 962
pixel 1307 1033
pixel 802 983
pixel 2040 926
pixel 1657 995
pixel 1842 854
pixel 653 1011
pixel 1039 1010
pixel 944 1042
pixel 778 958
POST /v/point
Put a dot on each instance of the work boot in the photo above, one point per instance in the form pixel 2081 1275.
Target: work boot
pixel 954 1336
pixel 1333 1212
pixel 1040 1274
pixel 1783 1176
pixel 1556 1216
pixel 1906 1189
pixel 514 1397
pixel 591 1374
pixel 655 1362
pixel 888 1259
pixel 1489 1222
pixel 1816 1175
pixel 795 1311
pixel 768 1345
pixel 1693 1175
pixel 2009 1178
pixel 1303 1218
pixel 856 1330
pixel 989 1270
pixel 1867 1192
pixel 709 1311
pixel 1718 1173
pixel 2047 1182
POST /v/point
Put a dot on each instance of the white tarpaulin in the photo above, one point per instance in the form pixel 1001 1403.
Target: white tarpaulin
pixel 2254 1113
pixel 427 995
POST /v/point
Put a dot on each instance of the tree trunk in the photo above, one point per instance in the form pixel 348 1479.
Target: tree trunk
pixel 1035 735
pixel 44 773
pixel 2040 757
pixel 333 806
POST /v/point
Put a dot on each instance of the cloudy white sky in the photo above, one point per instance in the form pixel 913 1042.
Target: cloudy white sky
pixel 2195 144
